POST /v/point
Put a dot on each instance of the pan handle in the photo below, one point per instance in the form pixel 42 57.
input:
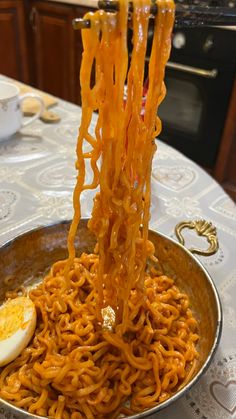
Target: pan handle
pixel 203 228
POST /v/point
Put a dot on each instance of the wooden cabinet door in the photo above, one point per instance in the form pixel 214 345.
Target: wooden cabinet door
pixel 13 51
pixel 54 49
pixel 225 168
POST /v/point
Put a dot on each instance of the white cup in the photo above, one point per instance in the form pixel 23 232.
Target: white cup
pixel 11 115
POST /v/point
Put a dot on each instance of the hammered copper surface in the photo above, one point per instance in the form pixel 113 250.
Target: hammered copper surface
pixel 26 259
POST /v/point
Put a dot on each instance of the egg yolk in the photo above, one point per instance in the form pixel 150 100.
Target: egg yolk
pixel 12 317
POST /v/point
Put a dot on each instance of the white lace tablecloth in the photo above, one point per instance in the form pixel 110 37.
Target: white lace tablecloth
pixel 37 178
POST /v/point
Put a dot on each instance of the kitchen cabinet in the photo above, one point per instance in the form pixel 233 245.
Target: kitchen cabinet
pixel 225 168
pixel 13 47
pixel 57 48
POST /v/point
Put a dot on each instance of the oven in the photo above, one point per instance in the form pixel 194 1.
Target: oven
pixel 199 78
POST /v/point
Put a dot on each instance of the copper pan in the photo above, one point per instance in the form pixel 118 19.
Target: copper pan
pixel 24 261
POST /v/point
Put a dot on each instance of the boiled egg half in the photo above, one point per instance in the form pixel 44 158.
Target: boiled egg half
pixel 17 326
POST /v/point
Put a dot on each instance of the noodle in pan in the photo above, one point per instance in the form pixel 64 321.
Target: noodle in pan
pixel 113 336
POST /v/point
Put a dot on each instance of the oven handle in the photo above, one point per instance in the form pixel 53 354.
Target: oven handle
pixel 209 74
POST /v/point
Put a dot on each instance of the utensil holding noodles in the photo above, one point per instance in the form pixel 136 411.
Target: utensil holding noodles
pixel 203 13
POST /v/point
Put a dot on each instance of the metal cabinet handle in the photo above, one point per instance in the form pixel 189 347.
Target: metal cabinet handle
pixel 209 74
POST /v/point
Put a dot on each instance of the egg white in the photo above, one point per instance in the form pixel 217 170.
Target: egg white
pixel 12 346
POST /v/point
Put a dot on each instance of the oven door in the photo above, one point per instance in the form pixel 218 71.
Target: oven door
pixel 194 110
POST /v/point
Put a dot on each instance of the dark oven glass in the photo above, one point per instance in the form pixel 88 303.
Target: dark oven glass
pixel 194 110
pixel 183 106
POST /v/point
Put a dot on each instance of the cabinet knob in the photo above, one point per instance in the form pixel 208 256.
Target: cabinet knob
pixel 32 19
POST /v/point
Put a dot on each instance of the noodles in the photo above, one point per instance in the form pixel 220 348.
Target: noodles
pixel 75 368
pixel 125 141
pixel 112 336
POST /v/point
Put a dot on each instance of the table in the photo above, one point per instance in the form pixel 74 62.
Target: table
pixel 37 177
